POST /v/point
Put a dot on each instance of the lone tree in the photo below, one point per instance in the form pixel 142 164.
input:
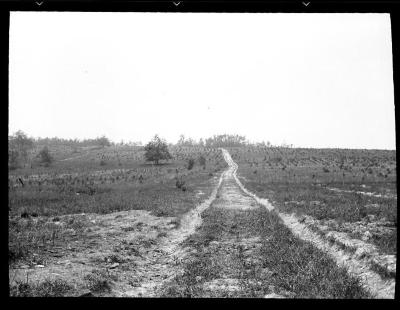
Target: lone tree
pixel 156 150
pixel 103 141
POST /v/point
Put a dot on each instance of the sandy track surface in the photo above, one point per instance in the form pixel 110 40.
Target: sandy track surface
pixel 165 261
pixel 362 193
pixel 233 198
pixel 378 287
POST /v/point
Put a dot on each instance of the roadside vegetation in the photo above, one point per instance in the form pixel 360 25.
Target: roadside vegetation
pixel 69 198
pixel 252 254
pixel 352 191
pixel 105 180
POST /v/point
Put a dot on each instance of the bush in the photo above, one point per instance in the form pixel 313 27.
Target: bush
pixel 180 183
pixel 99 281
pixel 47 288
pixel 190 163
pixel 45 158
pixel 202 161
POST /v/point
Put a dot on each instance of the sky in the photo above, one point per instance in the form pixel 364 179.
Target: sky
pixel 311 80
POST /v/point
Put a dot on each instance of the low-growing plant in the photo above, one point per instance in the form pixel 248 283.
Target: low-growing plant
pixel 47 288
pixel 202 161
pixel 190 164
pixel 99 281
pixel 44 156
pixel 179 183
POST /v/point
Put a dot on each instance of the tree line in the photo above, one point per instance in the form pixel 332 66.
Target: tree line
pixel 99 141
pixel 19 146
pixel 224 140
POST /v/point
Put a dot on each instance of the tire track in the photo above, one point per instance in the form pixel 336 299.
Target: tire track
pixel 378 287
pixel 163 266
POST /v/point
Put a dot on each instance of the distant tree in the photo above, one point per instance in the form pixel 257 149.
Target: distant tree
pixel 45 157
pixel 13 159
pixel 156 150
pixel 226 141
pixel 186 141
pixel 103 141
pixel 18 146
pixel 181 140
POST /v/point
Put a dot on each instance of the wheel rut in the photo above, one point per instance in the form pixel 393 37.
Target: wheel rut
pixel 373 282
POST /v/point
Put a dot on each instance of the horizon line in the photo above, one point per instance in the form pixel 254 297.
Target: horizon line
pixel 248 142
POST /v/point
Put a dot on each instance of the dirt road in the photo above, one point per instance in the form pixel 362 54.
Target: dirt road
pixel 166 258
pixel 236 232
pixel 356 266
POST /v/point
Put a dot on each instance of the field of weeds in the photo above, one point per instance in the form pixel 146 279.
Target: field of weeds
pixel 95 187
pixel 347 196
pixel 48 207
pixel 243 251
pixel 103 222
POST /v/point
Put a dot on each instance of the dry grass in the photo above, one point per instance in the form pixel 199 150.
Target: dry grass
pixel 35 208
pixel 47 288
pixel 296 183
pixel 256 250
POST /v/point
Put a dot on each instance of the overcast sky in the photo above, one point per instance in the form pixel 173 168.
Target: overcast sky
pixel 312 80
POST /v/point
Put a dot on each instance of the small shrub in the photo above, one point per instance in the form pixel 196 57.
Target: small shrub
pixel 98 281
pixel 25 214
pixel 113 258
pixel 47 288
pixel 160 212
pixel 190 164
pixel 179 183
pixel 45 158
pixel 202 161
pixel 52 288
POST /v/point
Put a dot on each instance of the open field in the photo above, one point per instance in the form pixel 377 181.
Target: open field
pixel 151 152
pixel 102 222
pixel 349 196
pixel 83 185
pixel 243 250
